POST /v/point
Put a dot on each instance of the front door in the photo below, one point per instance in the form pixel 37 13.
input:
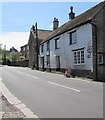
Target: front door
pixel 58 63
pixel 42 59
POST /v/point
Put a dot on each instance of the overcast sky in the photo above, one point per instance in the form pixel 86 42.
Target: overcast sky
pixel 18 17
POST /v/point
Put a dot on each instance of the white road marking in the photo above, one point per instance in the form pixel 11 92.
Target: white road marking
pixel 19 72
pixel 17 103
pixel 26 74
pixel 32 76
pixel 64 86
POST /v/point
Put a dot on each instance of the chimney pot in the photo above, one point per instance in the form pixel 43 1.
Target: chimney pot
pixel 71 9
pixel 33 28
pixel 71 14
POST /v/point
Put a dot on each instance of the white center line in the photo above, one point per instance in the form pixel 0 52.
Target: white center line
pixel 26 74
pixel 64 86
pixel 32 76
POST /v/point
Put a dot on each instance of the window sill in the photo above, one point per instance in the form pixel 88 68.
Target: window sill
pixel 57 48
pixel 79 64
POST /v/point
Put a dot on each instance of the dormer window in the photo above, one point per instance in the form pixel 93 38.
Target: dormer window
pixel 73 38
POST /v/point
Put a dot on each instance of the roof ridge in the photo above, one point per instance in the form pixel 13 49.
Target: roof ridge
pixel 45 30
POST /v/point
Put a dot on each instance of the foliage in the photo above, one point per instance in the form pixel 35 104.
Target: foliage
pixel 22 58
pixel 7 56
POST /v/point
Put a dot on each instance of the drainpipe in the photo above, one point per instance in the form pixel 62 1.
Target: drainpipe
pixel 49 55
pixel 94 28
pixel 37 48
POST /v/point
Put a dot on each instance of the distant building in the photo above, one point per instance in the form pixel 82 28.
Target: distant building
pixel 42 34
pixel 78 44
pixel 24 50
pixel 13 51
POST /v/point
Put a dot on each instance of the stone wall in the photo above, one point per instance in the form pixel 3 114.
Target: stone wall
pixel 31 51
pixel 99 45
pixel 19 63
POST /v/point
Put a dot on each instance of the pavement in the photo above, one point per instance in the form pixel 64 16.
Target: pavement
pixel 8 110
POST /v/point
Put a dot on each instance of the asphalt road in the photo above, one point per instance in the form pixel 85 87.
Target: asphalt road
pixel 50 95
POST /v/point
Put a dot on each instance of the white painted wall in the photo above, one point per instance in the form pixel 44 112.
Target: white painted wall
pixel 84 39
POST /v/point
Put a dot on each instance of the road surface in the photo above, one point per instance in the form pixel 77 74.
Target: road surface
pixel 50 95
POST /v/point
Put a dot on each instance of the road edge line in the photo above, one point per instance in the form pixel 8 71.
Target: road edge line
pixel 16 102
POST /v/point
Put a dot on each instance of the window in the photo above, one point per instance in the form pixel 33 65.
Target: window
pixel 48 59
pixel 73 38
pixel 82 56
pixel 48 46
pixel 75 57
pixel 79 57
pixel 42 47
pixel 23 48
pixel 100 58
pixel 27 47
pixel 57 43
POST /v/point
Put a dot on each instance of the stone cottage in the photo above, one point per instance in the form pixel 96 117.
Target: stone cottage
pixel 33 47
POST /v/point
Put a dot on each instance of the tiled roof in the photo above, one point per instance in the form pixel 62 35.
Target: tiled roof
pixel 77 21
pixel 42 34
pixel 24 45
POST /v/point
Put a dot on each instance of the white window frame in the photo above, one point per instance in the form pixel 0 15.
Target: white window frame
pixel 73 37
pixel 57 43
pixel 48 45
pixel 79 57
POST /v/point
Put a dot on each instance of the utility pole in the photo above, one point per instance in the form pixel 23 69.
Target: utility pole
pixel 37 47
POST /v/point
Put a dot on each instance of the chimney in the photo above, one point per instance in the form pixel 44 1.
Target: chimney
pixel 71 14
pixel 33 28
pixel 55 24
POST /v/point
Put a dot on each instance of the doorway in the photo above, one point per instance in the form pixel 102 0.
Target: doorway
pixel 58 63
pixel 42 61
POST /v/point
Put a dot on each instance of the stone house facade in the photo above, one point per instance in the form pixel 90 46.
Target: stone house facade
pixel 24 50
pixel 41 35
